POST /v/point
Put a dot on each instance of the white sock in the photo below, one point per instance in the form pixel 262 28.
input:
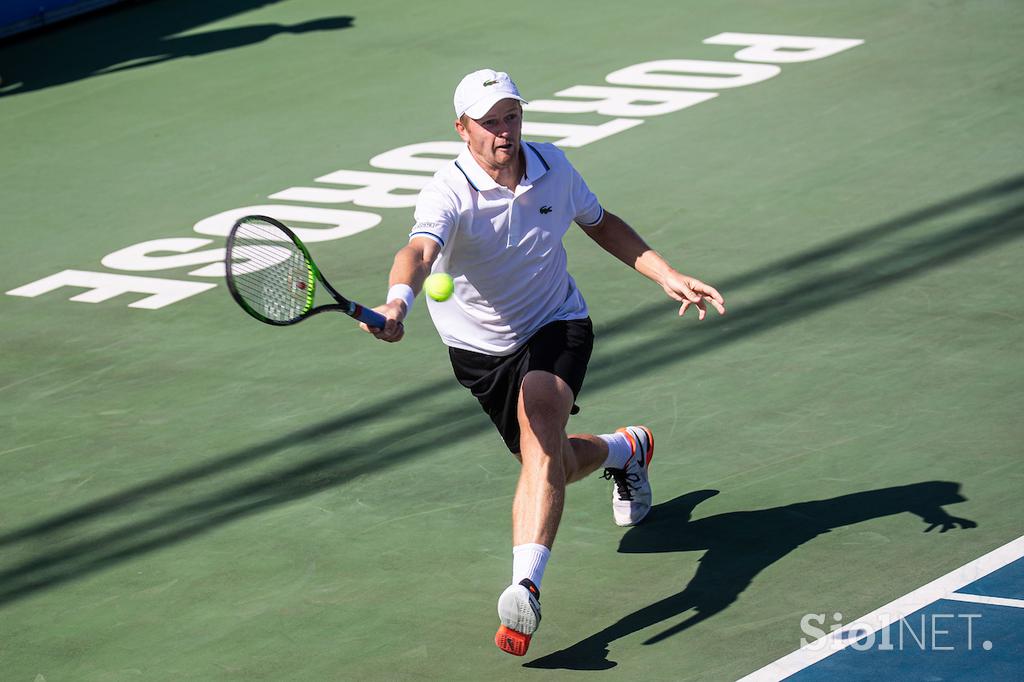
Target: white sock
pixel 619 450
pixel 528 561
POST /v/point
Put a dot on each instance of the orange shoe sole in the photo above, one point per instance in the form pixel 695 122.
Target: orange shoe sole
pixel 510 641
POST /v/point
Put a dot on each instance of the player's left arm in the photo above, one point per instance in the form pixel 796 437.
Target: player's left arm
pixel 616 237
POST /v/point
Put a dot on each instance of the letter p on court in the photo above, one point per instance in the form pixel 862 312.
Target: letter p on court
pixel 776 49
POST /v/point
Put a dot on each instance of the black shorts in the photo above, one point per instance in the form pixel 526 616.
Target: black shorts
pixel 561 348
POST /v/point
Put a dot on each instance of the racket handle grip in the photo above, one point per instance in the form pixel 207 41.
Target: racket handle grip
pixel 370 317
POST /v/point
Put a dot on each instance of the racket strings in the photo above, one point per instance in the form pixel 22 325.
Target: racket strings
pixel 270 272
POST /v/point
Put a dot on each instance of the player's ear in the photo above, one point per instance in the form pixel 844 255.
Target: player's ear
pixel 460 128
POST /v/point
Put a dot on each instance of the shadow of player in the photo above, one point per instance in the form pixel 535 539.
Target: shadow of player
pixel 738 546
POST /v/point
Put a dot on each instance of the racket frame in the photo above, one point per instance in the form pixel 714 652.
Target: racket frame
pixel 344 305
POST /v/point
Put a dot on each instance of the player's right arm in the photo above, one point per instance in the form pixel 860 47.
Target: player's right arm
pixel 410 268
pixel 436 216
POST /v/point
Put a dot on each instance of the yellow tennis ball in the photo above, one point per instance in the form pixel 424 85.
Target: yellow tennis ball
pixel 439 286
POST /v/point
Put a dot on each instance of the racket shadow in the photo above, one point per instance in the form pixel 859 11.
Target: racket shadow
pixel 737 546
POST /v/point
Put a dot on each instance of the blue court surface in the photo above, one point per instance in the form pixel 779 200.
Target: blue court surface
pixel 964 626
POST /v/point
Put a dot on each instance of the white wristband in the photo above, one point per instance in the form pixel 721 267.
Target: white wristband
pixel 404 292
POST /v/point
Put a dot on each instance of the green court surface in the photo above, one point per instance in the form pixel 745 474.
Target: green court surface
pixel 188 495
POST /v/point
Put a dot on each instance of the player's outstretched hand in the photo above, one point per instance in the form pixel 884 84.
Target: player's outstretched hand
pixel 947 522
pixel 690 291
pixel 393 329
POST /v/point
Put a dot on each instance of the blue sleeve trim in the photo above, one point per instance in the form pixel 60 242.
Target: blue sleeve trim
pixel 428 234
pixel 599 219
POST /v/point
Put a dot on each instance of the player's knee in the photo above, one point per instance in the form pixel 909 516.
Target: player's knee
pixel 544 404
pixel 545 399
pixel 541 421
pixel 543 427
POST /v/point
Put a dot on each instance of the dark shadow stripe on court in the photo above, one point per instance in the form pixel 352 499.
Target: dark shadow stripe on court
pixel 89 553
pixel 813 295
pixel 1008 190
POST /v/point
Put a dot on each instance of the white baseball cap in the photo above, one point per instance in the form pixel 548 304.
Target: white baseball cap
pixel 481 90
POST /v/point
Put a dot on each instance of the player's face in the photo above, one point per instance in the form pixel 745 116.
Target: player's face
pixel 494 137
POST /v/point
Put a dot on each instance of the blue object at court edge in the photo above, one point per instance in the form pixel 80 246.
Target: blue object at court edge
pixel 17 16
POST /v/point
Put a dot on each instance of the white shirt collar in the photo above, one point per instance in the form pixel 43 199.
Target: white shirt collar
pixel 536 166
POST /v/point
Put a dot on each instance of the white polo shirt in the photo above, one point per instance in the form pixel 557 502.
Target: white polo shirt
pixel 504 249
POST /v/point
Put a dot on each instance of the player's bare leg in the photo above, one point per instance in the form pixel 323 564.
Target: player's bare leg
pixel 550 460
pixel 544 404
pixel 586 453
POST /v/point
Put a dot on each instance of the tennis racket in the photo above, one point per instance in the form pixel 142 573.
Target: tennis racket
pixel 271 275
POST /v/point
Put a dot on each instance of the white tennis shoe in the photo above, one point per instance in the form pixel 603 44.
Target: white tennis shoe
pixel 631 495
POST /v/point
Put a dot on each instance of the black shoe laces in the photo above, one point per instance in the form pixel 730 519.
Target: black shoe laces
pixel 625 483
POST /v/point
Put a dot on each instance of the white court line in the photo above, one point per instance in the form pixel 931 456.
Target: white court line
pixel 994 601
pixel 941 588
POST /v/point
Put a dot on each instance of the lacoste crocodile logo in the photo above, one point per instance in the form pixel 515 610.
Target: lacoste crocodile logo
pixel 545 210
pixel 487 83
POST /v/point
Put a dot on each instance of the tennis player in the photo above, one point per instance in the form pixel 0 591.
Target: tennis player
pixel 517 327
